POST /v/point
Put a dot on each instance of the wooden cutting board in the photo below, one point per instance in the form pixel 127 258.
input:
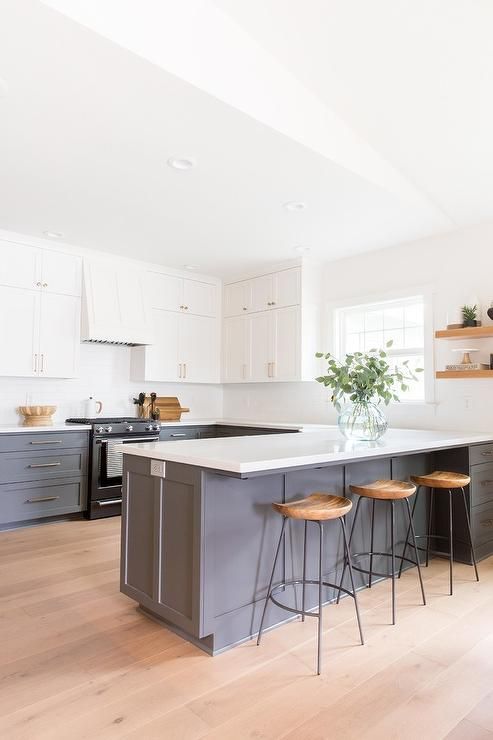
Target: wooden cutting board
pixel 169 407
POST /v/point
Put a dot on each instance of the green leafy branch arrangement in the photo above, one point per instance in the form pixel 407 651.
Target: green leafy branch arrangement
pixel 366 377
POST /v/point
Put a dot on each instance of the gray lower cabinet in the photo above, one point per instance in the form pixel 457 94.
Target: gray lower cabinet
pixel 42 474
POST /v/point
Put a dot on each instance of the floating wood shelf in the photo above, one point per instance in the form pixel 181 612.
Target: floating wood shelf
pixel 468 332
pixel 464 374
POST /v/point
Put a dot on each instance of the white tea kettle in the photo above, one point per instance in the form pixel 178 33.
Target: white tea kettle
pixel 92 408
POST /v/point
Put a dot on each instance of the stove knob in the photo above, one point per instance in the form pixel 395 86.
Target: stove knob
pixel 156 428
pixel 149 428
pixel 108 429
pixel 99 430
pixel 130 428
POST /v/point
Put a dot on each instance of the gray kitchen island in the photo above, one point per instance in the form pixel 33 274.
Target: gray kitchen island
pixel 199 532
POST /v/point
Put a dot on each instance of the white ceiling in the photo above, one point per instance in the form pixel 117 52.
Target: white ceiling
pixel 399 94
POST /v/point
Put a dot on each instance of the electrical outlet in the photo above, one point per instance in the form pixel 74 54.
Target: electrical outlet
pixel 158 468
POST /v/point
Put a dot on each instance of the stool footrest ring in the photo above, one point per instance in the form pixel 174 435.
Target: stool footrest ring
pixel 300 612
pixel 382 554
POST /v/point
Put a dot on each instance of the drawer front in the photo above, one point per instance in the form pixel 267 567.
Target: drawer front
pixel 42 441
pixel 480 454
pixel 16 467
pixel 482 524
pixel 176 433
pixel 24 501
pixel 482 484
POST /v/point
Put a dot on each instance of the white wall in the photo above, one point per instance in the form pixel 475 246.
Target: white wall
pixel 456 267
pixel 104 374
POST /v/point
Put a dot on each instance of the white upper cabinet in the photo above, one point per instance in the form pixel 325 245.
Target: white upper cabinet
pixel 172 293
pixel 263 293
pixel 19 332
pixel 286 345
pixel 59 325
pixel 238 298
pixel 61 273
pixel 263 354
pixel 199 349
pixel 39 312
pixel 237 349
pixel 33 268
pixel 20 265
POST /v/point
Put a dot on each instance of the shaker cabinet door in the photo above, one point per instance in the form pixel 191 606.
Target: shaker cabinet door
pixel 59 338
pixel 19 332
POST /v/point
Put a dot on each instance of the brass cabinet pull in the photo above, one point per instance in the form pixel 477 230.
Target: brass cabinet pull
pixel 44 465
pixel 35 363
pixel 42 363
pixel 185 367
pixel 42 498
pixel 178 434
pixel 487 523
pixel 48 442
pixel 179 370
pixel 487 453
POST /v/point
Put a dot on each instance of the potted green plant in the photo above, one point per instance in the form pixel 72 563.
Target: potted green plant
pixel 361 382
pixel 469 315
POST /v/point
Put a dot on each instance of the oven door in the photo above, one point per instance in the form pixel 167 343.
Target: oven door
pixel 110 463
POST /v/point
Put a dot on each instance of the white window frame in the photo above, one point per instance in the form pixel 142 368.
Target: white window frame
pixel 336 311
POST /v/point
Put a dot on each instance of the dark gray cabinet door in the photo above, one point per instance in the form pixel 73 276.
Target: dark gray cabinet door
pixel 20 502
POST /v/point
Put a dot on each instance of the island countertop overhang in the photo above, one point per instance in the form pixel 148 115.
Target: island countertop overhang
pixel 244 455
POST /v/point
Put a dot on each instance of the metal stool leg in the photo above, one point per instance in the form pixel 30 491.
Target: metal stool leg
pixel 304 574
pixel 416 554
pixel 451 542
pixel 320 598
pixel 470 534
pixel 430 524
pixel 372 536
pixel 392 537
pixel 349 545
pixel 281 536
pixel 350 567
pixel 406 543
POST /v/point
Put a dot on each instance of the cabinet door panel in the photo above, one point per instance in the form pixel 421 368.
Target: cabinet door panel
pixel 199 298
pixel 262 293
pixel 161 358
pixel 19 332
pixel 287 287
pixel 61 273
pixel 287 340
pixel 166 291
pixel 238 298
pixel 59 338
pixel 237 349
pixel 262 345
pixel 199 349
pixel 19 266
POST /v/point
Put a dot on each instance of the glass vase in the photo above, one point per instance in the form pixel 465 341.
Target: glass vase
pixel 363 421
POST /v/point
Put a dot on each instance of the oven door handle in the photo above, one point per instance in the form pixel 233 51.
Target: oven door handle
pixel 109 502
pixel 129 440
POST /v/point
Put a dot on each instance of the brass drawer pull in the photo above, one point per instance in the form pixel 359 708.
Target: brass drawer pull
pixel 48 442
pixel 487 523
pixel 44 465
pixel 42 498
pixel 487 453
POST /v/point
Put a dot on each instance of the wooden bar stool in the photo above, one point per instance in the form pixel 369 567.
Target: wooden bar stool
pixel 318 508
pixel 453 482
pixel 389 491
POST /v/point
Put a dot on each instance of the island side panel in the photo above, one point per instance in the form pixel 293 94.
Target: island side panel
pixel 161 541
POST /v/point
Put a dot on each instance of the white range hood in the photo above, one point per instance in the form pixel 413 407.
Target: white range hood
pixel 114 305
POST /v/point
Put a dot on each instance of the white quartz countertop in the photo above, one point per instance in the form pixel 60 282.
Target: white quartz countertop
pixel 295 426
pixel 14 429
pixel 274 451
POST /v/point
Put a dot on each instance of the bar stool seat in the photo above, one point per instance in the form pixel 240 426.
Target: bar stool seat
pixel 385 489
pixel 316 507
pixel 441 479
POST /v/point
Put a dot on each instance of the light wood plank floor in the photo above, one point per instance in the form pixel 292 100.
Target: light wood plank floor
pixel 78 661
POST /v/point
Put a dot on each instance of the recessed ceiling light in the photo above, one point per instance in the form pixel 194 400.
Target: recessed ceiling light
pixel 301 249
pixel 53 234
pixel 4 88
pixel 182 163
pixel 191 267
pixel 294 205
